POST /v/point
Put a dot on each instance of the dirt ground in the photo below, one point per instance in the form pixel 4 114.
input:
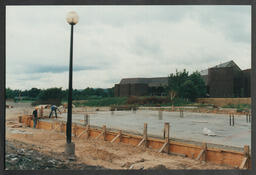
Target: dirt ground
pixel 95 152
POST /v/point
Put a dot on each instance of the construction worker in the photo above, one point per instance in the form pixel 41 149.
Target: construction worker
pixel 54 108
pixel 34 114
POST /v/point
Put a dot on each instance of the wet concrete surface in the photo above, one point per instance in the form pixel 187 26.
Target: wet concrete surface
pixel 188 127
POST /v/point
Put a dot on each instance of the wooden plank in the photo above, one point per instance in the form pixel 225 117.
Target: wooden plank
pixel 200 154
pixel 141 141
pixel 242 166
pixel 104 132
pixel 214 155
pixel 178 154
pixel 116 137
pixel 100 135
pixel 82 133
pixel 161 150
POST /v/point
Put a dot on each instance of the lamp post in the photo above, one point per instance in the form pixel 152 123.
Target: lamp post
pixel 72 19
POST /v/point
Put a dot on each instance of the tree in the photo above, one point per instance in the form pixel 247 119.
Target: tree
pixel 172 95
pixel 200 86
pixel 33 92
pixel 175 81
pixel 9 93
pixel 50 96
pixel 187 86
pixel 189 90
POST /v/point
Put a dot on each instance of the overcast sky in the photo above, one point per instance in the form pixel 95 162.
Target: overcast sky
pixel 115 42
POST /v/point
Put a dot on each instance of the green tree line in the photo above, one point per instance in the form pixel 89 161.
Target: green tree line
pixel 43 94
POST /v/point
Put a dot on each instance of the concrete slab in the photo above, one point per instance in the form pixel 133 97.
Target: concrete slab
pixel 190 127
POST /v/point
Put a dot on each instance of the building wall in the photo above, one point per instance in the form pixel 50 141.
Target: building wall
pixel 125 90
pixel 139 89
pixel 117 90
pixel 227 82
pixel 221 82
pixel 247 82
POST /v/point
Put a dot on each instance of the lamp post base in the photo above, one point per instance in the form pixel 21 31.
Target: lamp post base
pixel 70 149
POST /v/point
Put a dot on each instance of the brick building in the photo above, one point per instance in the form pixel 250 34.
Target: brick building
pixel 140 86
pixel 223 80
pixel 227 80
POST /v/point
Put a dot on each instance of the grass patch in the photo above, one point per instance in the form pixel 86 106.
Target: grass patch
pixel 239 107
pixel 108 101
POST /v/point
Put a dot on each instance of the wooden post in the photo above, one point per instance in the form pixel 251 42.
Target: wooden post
pixel 20 119
pixel 74 129
pixel 203 153
pixel 86 119
pixel 205 149
pixel 247 115
pixel 249 118
pixel 245 162
pixel 41 112
pixel 166 134
pixel 104 132
pixel 88 131
pixel 145 136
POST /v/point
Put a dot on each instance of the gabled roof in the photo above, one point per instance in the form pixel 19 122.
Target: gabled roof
pixel 222 65
pixel 228 64
pixel 152 82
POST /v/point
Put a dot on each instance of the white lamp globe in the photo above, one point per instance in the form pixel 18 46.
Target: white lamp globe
pixel 72 18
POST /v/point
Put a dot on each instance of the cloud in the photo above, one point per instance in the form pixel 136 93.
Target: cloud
pixel 111 43
pixel 56 68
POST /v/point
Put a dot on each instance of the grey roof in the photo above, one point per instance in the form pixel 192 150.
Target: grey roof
pixel 152 82
pixel 222 65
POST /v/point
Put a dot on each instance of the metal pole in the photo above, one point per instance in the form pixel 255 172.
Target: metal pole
pixel 229 119
pixel 69 120
pixel 233 119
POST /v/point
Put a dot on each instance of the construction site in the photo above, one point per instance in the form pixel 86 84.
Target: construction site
pixel 141 138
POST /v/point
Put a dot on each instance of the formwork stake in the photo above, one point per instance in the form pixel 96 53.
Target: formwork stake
pixel 166 135
pixel 41 111
pixel 245 162
pixel 85 131
pixel 86 119
pixel 103 133
pixel 202 153
pixel 119 135
pixel 145 136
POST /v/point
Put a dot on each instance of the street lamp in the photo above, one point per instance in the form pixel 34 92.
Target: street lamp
pixel 72 19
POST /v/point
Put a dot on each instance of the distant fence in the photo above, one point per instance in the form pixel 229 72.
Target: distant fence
pixel 224 101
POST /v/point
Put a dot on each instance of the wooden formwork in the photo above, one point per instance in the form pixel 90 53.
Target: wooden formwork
pixel 215 155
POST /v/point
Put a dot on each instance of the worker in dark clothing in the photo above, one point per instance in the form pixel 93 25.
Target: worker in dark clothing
pixel 54 109
pixel 35 117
